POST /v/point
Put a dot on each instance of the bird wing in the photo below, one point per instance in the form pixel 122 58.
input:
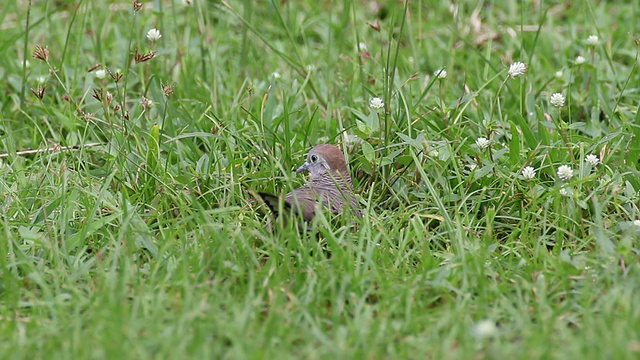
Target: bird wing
pixel 333 192
pixel 303 200
pixel 273 202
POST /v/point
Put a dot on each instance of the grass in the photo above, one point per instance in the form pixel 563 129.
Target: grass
pixel 133 233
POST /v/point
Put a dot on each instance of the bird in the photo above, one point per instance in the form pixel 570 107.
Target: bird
pixel 329 184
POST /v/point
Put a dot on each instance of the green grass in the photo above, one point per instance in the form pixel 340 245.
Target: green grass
pixel 150 244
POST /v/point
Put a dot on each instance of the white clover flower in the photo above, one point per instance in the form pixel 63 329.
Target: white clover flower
pixel 310 68
pixel 41 79
pixel 482 143
pixel 434 153
pixel 636 222
pixel 376 103
pixel 559 74
pixel 154 35
pixel 101 74
pixel 361 47
pixel 528 173
pixel 565 172
pixel 593 40
pixel 485 329
pixel 440 73
pixel 517 68
pixel 276 75
pixel 592 159
pixel 580 60
pixel 557 100
pixel 564 192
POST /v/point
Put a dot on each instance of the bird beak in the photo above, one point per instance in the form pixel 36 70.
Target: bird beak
pixel 304 167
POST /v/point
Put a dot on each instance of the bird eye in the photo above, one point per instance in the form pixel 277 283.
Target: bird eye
pixel 313 158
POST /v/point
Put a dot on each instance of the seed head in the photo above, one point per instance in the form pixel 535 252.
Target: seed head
pixel 41 53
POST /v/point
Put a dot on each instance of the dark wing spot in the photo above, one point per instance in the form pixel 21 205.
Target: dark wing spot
pixel 273 202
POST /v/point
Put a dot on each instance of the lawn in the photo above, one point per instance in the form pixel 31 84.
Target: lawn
pixel 494 147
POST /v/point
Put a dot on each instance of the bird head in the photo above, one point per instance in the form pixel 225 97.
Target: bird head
pixel 324 158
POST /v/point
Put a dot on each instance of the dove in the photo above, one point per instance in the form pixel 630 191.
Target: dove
pixel 329 184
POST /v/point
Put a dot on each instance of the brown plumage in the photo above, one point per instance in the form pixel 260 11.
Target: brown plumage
pixel 329 184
